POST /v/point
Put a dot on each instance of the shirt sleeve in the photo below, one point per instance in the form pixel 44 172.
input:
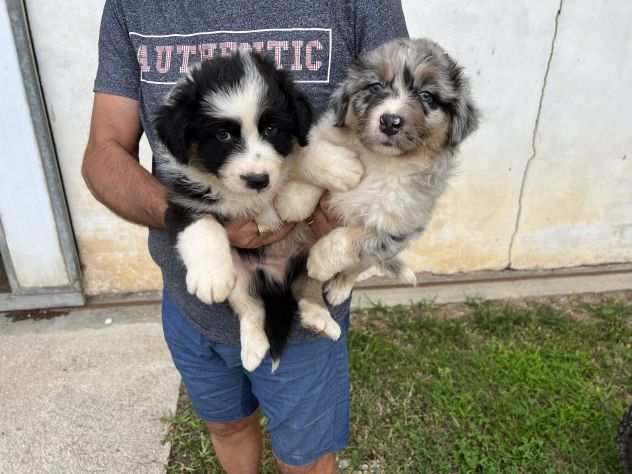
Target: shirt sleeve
pixel 378 21
pixel 118 72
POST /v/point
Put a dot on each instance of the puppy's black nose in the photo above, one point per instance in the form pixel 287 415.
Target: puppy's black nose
pixel 256 181
pixel 391 124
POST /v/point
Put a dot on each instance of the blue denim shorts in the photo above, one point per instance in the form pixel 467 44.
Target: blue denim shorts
pixel 306 401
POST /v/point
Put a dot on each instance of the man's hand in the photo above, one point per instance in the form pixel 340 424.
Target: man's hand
pixel 323 220
pixel 244 234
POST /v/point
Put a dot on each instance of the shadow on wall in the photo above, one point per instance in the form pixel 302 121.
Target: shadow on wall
pixel 4 280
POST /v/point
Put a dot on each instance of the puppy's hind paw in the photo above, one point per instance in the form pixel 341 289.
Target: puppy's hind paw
pixel 318 269
pixel 331 254
pixel 337 290
pixel 317 319
pixel 254 348
pixel 407 277
pixel 397 269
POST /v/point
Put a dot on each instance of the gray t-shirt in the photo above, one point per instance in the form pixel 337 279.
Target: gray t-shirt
pixel 145 45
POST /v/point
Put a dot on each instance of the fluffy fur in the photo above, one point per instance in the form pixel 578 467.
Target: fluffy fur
pixel 395 124
pixel 229 127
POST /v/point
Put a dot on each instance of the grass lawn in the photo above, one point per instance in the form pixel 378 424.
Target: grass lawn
pixel 533 386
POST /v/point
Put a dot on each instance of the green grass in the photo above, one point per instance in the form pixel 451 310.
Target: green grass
pixel 530 387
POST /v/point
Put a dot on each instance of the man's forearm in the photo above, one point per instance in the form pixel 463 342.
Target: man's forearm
pixel 119 182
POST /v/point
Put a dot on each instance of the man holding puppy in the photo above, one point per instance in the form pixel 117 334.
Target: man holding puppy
pixel 144 46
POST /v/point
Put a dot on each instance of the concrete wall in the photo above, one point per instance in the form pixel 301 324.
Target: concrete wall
pixel 577 201
pixel 113 253
pixel 546 182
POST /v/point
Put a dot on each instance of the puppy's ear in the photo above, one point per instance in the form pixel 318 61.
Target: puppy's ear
pixel 173 119
pixel 298 102
pixel 303 117
pixel 339 103
pixel 353 83
pixel 464 122
pixel 466 115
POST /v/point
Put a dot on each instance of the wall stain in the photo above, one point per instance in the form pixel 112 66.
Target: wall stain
pixel 117 266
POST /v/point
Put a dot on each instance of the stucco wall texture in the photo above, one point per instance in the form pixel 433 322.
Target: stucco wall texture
pixel 545 183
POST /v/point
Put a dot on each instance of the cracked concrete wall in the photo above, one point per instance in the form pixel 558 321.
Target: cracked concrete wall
pixel 577 205
pixel 575 208
pixel 505 52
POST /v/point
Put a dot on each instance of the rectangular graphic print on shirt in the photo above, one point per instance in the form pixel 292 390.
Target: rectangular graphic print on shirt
pixel 306 52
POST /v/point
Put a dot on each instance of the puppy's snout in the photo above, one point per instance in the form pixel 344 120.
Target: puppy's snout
pixel 390 124
pixel 256 181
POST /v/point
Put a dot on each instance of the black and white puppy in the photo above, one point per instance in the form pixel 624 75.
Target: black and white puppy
pixel 401 114
pixel 228 127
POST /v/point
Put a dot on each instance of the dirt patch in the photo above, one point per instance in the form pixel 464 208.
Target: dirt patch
pixel 35 315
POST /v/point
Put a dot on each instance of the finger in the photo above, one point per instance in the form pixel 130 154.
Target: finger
pixel 325 200
pixel 320 225
pixel 325 206
pixel 319 219
pixel 237 226
pixel 328 219
pixel 243 234
pixel 271 237
pixel 240 220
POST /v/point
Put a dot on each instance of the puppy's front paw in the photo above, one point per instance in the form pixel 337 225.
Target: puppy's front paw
pixel 297 201
pixel 344 172
pixel 269 220
pixel 254 347
pixel 317 319
pixel 211 284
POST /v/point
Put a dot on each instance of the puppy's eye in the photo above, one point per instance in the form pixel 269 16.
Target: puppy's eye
pixel 375 87
pixel 270 131
pixel 223 136
pixel 428 99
